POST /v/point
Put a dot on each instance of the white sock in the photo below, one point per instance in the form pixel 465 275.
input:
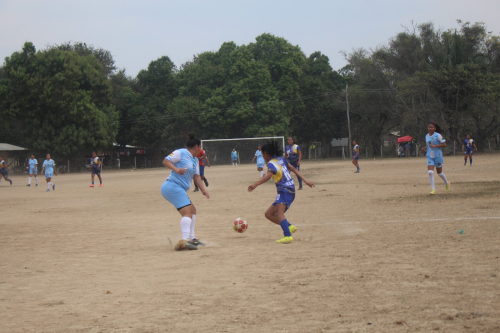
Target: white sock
pixel 261 174
pixel 443 177
pixel 191 234
pixel 48 185
pixel 431 178
pixel 36 180
pixel 29 180
pixel 185 227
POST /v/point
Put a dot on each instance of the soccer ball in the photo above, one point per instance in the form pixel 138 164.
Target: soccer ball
pixel 96 160
pixel 240 225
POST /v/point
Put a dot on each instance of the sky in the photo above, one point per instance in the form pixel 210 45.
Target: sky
pixel 138 32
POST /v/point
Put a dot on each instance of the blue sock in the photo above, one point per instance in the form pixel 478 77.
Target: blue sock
pixel 101 181
pixel 358 168
pixel 92 183
pixel 471 161
pixel 285 226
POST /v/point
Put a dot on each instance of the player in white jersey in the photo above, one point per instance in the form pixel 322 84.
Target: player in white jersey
pixel 50 171
pixel 185 167
pixel 33 170
pixel 434 144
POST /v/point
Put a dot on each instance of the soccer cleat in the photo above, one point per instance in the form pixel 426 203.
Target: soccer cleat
pixel 196 189
pixel 448 187
pixel 100 185
pixel 10 182
pixel 91 185
pixel 205 181
pixel 357 171
pixel 197 242
pixel 300 187
pixel 36 185
pixel 191 246
pixel 47 190
pixel 433 192
pixel 465 163
pixel 292 228
pixel 28 185
pixel 285 240
pixel 53 187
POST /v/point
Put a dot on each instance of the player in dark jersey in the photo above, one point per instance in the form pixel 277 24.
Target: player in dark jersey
pixel 468 150
pixel 95 168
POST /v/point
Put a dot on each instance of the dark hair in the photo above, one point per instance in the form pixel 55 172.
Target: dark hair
pixel 438 128
pixel 193 141
pixel 272 148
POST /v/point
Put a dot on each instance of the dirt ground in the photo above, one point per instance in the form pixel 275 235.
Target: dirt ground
pixel 373 253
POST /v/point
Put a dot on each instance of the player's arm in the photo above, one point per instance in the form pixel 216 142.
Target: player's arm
pixel 206 159
pixel 199 182
pixel 264 179
pixel 475 146
pixel 55 170
pixel 441 145
pixel 300 156
pixel 463 147
pixel 297 172
pixel 171 166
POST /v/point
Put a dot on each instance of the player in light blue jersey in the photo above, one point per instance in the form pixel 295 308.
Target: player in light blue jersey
pixel 184 166
pixel 434 144
pixel 468 149
pixel 3 170
pixel 33 170
pixel 278 170
pixel 260 161
pixel 294 155
pixel 50 171
pixel 234 157
pixel 355 156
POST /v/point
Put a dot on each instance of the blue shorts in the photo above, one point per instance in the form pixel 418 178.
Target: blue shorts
pixel 49 175
pixel 33 171
pixel 284 197
pixel 235 160
pixel 175 194
pixel 202 170
pixel 355 158
pixel 295 164
pixel 436 161
pixel 468 151
pixel 4 172
pixel 96 172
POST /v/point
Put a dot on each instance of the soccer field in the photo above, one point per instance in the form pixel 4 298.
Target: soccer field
pixel 373 253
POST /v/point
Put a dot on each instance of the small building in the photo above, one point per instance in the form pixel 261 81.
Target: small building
pixel 13 156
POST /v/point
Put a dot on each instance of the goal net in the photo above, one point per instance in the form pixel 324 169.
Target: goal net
pixel 219 150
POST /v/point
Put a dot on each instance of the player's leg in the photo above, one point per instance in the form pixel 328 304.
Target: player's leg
pixel 98 173
pixel 430 171
pixel 36 176
pixel 466 154
pixel 92 176
pixel 470 158
pixel 48 179
pixel 29 178
pixel 192 236
pixel 261 170
pixel 443 177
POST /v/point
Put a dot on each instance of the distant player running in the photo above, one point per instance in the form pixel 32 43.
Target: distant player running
pixel 434 144
pixel 234 157
pixel 95 168
pixel 184 166
pixel 202 156
pixel 49 169
pixel 355 156
pixel 260 161
pixel 3 170
pixel 33 170
pixel 278 170
pixel 294 155
pixel 468 150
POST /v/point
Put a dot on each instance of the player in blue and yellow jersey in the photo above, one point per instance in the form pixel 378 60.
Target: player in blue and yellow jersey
pixel 234 157
pixel 434 144
pixel 355 156
pixel 33 169
pixel 3 170
pixel 278 170
pixel 185 167
pixel 50 171
pixel 95 168
pixel 468 150
pixel 294 155
pixel 260 161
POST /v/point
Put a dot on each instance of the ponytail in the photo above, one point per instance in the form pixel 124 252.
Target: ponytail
pixel 193 141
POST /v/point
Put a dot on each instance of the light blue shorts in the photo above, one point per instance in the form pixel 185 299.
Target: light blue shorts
pixel 33 171
pixel 175 194
pixel 49 175
pixel 260 165
pixel 436 161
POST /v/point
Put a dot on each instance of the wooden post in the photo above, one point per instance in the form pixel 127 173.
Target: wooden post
pixel 68 166
pixel 135 162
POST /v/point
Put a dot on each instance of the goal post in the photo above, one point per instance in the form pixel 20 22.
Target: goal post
pixel 219 150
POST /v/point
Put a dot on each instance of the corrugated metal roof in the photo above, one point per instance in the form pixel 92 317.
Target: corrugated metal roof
pixel 9 147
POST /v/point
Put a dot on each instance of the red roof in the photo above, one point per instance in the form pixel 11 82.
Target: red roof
pixel 405 139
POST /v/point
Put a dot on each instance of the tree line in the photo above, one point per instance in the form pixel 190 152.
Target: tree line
pixel 70 99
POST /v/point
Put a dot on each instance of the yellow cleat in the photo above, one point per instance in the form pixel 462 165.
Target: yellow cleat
pixel 448 187
pixel 433 192
pixel 285 240
pixel 292 228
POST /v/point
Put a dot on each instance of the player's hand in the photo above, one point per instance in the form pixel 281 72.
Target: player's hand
pixel 298 163
pixel 252 187
pixel 423 150
pixel 309 184
pixel 181 171
pixel 205 193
